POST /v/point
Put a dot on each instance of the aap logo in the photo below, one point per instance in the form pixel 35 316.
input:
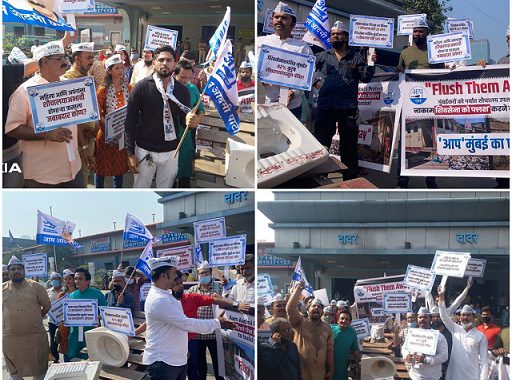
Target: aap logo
pixel 418 95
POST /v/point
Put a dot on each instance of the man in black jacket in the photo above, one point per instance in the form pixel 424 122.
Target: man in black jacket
pixel 157 106
pixel 278 358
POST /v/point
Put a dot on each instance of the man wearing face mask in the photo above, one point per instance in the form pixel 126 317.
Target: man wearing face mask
pixel 342 69
pixel 422 366
pixel 134 283
pixel 116 297
pixel 243 291
pixel 489 329
pixel 53 292
pixel 469 359
pixel 438 324
pixel 313 338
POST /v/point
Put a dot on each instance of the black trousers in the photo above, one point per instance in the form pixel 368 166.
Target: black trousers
pixel 348 129
pixel 164 371
pixel 53 346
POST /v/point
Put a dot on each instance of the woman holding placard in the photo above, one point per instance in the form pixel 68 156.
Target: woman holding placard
pixel 110 160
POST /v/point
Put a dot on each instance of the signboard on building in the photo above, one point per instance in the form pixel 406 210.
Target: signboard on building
pixel 101 244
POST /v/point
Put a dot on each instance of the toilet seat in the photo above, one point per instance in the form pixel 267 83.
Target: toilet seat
pixel 107 346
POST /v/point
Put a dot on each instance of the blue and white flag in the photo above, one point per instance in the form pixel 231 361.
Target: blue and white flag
pixel 219 37
pixel 135 230
pixel 142 262
pixel 318 25
pixel 300 276
pixel 53 231
pixel 23 12
pixel 222 89
pixel 198 254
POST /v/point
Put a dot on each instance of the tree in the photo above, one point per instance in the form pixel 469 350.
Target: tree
pixel 434 9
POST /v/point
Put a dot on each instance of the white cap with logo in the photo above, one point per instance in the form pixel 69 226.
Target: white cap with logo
pixel 82 46
pixel 49 49
pixel 284 8
pixel 114 60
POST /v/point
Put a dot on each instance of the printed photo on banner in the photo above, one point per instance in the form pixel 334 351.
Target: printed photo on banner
pixel 371 31
pixel 362 327
pixel 56 313
pixel 185 255
pixel 35 264
pixel 422 341
pixel 80 312
pixel 286 68
pixel 118 319
pixel 456 123
pixel 156 37
pixel 59 104
pixel 45 13
pixel 451 264
pixel 227 251
pixel 448 47
pixel 210 229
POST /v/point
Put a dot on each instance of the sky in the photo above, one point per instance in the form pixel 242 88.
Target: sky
pixel 263 231
pixel 92 211
pixel 490 19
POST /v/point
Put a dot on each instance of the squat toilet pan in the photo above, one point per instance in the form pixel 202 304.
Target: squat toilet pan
pixel 107 346
pixel 286 148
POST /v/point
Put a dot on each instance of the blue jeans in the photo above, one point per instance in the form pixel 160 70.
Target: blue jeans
pixel 99 181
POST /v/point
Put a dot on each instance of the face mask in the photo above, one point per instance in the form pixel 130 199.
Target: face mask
pixel 326 319
pixel 338 44
pixel 419 40
pixel 205 280
pixel 55 283
pixel 486 320
pixel 177 295
pixel 412 324
pixel 134 56
pixel 437 324
pixel 117 288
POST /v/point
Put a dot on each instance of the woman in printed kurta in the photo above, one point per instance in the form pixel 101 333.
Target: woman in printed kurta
pixel 110 160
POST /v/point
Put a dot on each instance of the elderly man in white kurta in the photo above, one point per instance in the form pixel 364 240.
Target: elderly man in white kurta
pixel 426 367
pixel 469 358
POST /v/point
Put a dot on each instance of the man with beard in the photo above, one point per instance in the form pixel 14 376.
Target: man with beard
pixel 421 366
pixel 342 68
pixel 116 297
pixel 488 328
pixel 157 107
pixel 345 343
pixel 82 55
pixel 25 343
pixel 243 290
pixel 46 162
pixel 438 324
pixel 143 68
pixel 469 359
pixel 312 337
pixel 283 21
pixel 278 358
pixel 245 80
pixel 278 307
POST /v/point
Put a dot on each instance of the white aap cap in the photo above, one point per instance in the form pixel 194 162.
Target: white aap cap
pixel 204 265
pixel 339 25
pixel 55 275
pixel 68 272
pixel 14 261
pixel 245 65
pixel 114 60
pixel 120 47
pixel 420 23
pixel 82 46
pixel 467 309
pixel 317 301
pixel 284 8
pixel 17 56
pixel 435 310
pixel 116 273
pixel 46 50
pixel 277 297
pixel 167 261
pixel 423 311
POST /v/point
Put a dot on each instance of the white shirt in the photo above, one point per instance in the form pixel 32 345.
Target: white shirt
pixel 167 327
pixel 468 360
pixel 53 293
pixel 455 304
pixel 290 44
pixel 141 71
pixel 430 369
pixel 243 292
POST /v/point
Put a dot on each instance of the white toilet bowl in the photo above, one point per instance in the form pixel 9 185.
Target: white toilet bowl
pixel 107 346
pixel 239 164
pixel 377 367
pixel 286 148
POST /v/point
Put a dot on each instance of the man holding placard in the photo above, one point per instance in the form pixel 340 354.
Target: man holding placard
pixel 342 68
pixel 469 359
pixel 25 342
pixel 423 365
pixel 118 296
pixel 283 21
pixel 50 159
pixel 243 290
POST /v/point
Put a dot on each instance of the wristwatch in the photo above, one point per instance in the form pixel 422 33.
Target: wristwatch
pixel 235 304
pixel 85 147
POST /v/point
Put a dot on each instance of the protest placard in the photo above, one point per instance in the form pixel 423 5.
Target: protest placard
pixel 244 368
pixel 453 25
pixel 144 290
pixel 77 6
pixel 80 312
pixel 371 31
pixel 244 330
pixel 265 299
pixel 451 264
pixel 406 23
pixel 379 312
pixel 397 302
pixel 286 68
pixel 59 104
pixel 264 284
pixel 85 35
pixel 456 123
pixel 448 47
pixel 114 124
pixel 246 100
pixel 157 37
pixel 185 255
pixel 227 251
pixel 56 313
pixel 475 268
pixel 118 319
pixel 419 278
pixel 267 22
pixel 35 264
pixel 210 229
pixel 362 327
pixel 421 341
pixel 375 292
pixel 299 30
pixel 321 294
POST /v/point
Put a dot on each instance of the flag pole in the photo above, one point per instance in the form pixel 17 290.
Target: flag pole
pixel 194 110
